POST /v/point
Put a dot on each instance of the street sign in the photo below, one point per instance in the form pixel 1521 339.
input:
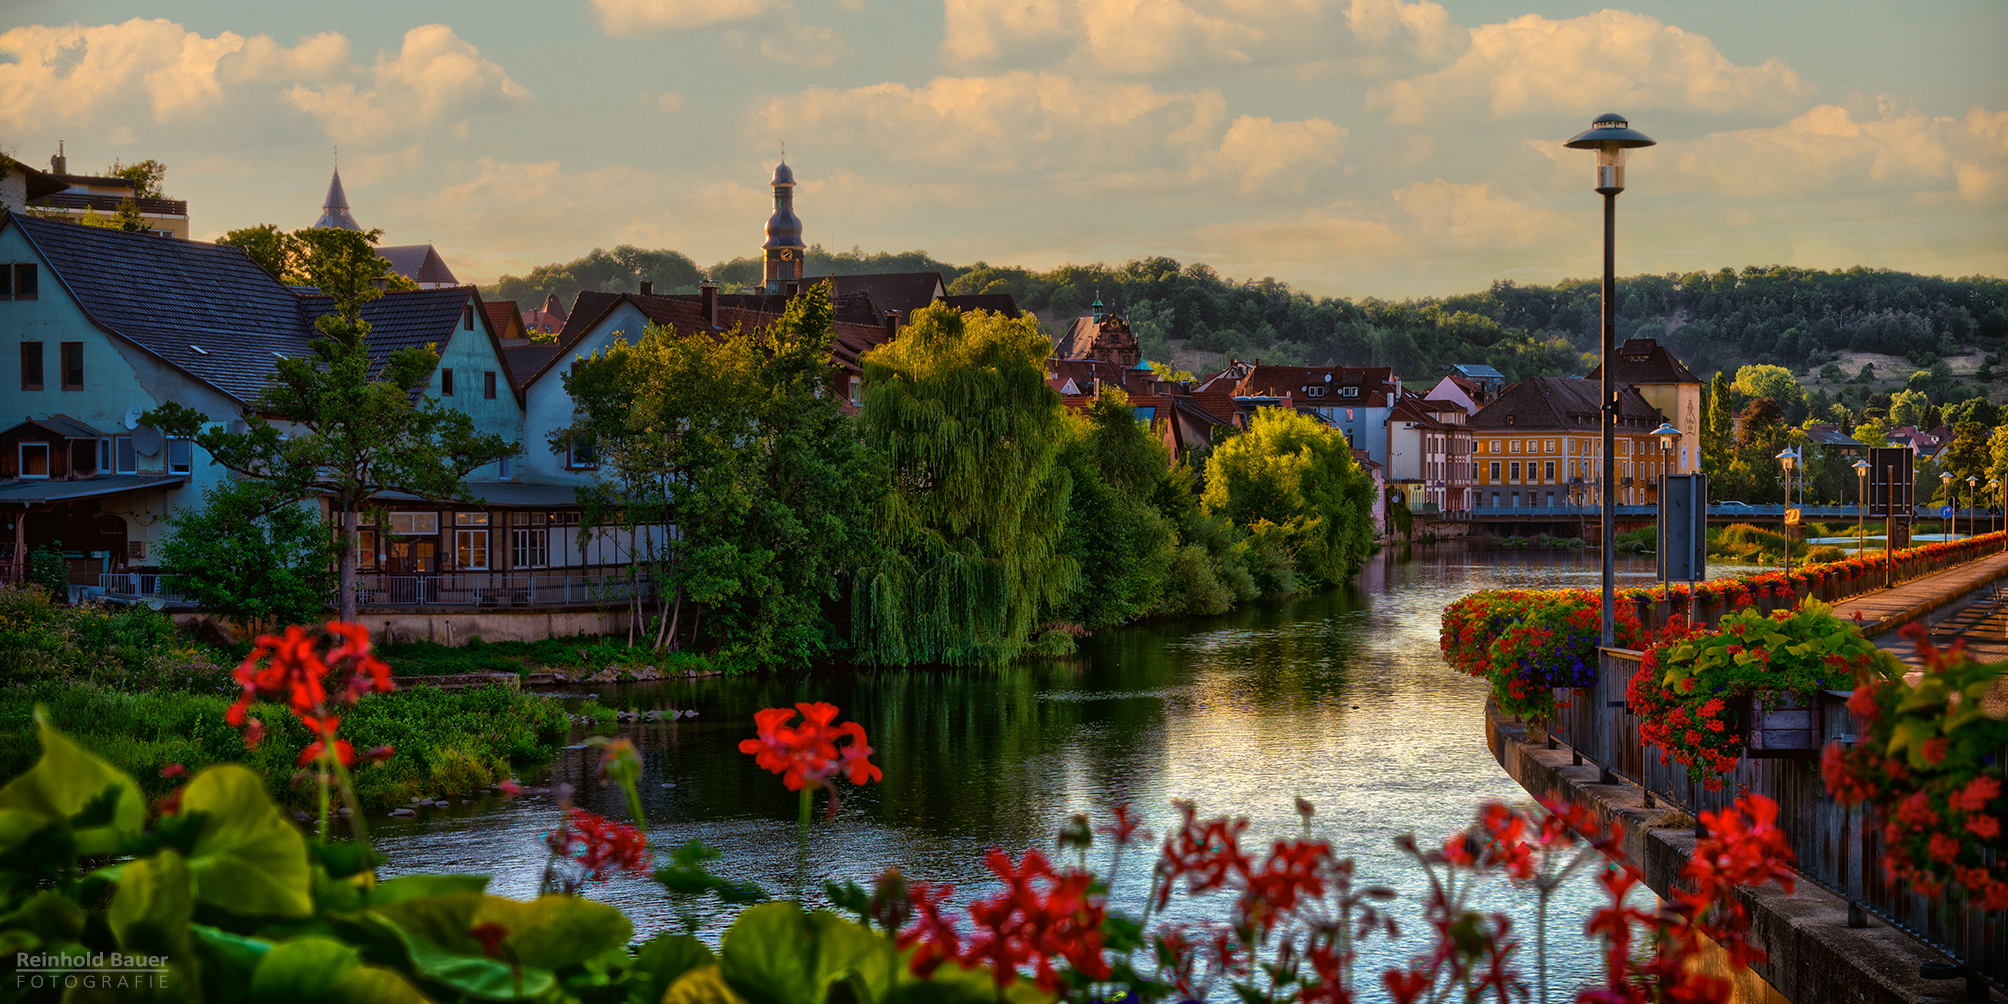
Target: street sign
pixel 1945 512
pixel 1791 517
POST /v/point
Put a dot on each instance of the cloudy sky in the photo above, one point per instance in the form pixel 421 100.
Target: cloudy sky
pixel 1349 147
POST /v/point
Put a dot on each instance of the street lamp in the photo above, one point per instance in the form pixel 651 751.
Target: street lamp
pixel 1971 484
pixel 2001 499
pixel 1861 506
pixel 1789 458
pixel 1612 138
pixel 1665 434
pixel 1946 480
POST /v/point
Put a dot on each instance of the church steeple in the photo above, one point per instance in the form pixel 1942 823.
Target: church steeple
pixel 335 211
pixel 783 249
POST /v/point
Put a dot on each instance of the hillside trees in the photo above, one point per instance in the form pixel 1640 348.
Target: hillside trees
pixel 970 527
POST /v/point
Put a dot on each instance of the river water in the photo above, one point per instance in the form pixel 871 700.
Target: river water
pixel 1340 698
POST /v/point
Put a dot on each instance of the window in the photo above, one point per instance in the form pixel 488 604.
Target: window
pixel 1495 447
pixel 1349 392
pixel 857 391
pixel 366 548
pixel 414 523
pixel 1516 446
pixel 579 456
pixel 467 317
pixel 104 455
pixel 470 539
pixel 34 460
pixel 31 365
pixel 530 547
pixel 6 282
pixel 504 469
pixel 180 456
pixel 488 385
pixel 124 456
pixel 26 283
pixel 1516 470
pixel 73 366
pixel 1549 446
pixel 1548 471
pixel 445 383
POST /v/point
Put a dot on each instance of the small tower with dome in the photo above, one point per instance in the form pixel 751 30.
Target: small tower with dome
pixel 783 248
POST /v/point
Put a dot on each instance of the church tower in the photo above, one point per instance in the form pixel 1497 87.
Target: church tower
pixel 335 211
pixel 784 236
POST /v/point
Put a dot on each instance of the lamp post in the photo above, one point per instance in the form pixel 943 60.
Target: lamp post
pixel 1972 484
pixel 1861 506
pixel 1952 529
pixel 1788 458
pixel 1612 138
pixel 2000 497
pixel 1665 435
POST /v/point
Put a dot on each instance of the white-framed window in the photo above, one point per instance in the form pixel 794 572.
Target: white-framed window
pixel 580 456
pixel 34 458
pixel 531 547
pixel 124 455
pixel 104 455
pixel 857 391
pixel 412 524
pixel 470 540
pixel 180 456
pixel 505 468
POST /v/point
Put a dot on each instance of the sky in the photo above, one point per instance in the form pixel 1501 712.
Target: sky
pixel 1348 147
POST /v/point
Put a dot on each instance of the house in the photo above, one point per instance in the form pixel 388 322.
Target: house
pixel 1456 389
pixel 507 320
pixel 1354 400
pixel 420 263
pixel 1540 443
pixel 1832 440
pixel 1104 336
pixel 1429 453
pixel 1669 387
pixel 58 193
pixel 1479 380
pixel 548 319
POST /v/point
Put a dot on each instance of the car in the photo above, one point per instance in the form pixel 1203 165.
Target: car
pixel 1733 504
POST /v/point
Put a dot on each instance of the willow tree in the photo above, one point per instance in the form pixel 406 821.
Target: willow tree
pixel 1291 479
pixel 970 526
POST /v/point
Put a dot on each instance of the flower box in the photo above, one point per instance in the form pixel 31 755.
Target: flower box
pixel 1779 723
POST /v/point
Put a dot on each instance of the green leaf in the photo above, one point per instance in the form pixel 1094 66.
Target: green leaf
pixel 150 912
pixel 776 954
pixel 228 961
pixel 50 915
pixel 343 859
pixel 63 783
pixel 406 887
pixel 249 858
pixel 703 985
pixel 662 961
pixel 473 975
pixel 552 932
pixel 313 970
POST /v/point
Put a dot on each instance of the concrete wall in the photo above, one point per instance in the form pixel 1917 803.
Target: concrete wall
pixel 451 628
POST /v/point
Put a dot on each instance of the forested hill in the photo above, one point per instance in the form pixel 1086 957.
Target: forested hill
pixel 1799 318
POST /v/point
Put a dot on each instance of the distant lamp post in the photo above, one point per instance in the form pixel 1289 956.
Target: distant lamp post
pixel 1666 434
pixel 1972 485
pixel 1861 505
pixel 1612 138
pixel 1788 458
pixel 2000 501
pixel 1951 502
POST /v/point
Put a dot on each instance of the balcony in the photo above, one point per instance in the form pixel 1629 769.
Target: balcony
pixel 584 588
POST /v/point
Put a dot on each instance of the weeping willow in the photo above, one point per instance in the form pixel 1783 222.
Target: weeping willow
pixel 971 523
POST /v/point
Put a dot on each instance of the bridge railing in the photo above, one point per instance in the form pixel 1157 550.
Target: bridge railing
pixel 1839 848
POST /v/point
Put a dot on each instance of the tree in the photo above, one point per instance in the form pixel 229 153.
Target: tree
pixel 272 248
pixel 146 177
pixel 970 527
pixel 1906 407
pixel 262 559
pixel 1969 454
pixel 728 438
pixel 1774 382
pixel 1292 472
pixel 1719 427
pixel 347 436
pixel 1117 529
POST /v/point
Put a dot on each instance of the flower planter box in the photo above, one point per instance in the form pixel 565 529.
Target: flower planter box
pixel 1789 728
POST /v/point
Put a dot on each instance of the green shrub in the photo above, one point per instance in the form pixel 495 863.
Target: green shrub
pixel 1826 553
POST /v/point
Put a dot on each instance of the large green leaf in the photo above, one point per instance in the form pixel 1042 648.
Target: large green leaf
pixel 662 961
pixel 150 912
pixel 406 887
pixel 228 962
pixel 50 915
pixel 551 932
pixel 62 784
pixel 776 954
pixel 249 858
pixel 316 970
pixel 471 975
pixel 703 985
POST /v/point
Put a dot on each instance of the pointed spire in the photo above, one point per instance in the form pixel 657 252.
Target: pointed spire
pixel 335 211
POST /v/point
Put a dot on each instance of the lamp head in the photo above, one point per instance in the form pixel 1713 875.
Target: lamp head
pixel 1611 137
pixel 1971 481
pixel 1946 477
pixel 1666 434
pixel 1788 457
pixel 1861 467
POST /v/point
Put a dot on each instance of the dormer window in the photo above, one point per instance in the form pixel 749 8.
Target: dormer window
pixel 1349 392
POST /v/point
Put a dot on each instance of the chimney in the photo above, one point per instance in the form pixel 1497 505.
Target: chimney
pixel 891 325
pixel 791 289
pixel 707 297
pixel 59 164
pixel 647 288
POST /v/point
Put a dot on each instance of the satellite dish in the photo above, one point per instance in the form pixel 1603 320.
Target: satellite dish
pixel 132 416
pixel 146 439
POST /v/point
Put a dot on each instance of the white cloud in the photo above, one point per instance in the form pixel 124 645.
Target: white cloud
pixel 636 17
pixel 803 45
pixel 1142 37
pixel 1831 149
pixel 435 76
pixel 69 73
pixel 1474 216
pixel 1045 128
pixel 669 102
pixel 1610 59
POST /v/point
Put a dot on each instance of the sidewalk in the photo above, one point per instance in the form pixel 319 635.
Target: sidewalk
pixel 1886 610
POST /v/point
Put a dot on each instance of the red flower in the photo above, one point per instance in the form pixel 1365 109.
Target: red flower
pixel 1984 827
pixel 1125 829
pixel 1406 987
pixel 1977 793
pixel 1040 916
pixel 599 844
pixel 490 936
pixel 807 754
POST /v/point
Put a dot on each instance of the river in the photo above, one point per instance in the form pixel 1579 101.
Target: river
pixel 1340 698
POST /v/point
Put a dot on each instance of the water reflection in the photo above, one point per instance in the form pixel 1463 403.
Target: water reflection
pixel 1340 698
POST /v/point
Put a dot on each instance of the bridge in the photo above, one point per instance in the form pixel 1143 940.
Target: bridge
pixel 1583 520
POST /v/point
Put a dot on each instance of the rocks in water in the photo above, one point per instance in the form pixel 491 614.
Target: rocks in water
pixel 404 812
pixel 645 673
pixel 301 817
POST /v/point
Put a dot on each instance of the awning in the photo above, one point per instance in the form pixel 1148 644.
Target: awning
pixel 61 425
pixel 29 492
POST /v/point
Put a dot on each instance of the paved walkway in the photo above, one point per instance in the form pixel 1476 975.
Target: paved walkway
pixel 1968 602
pixel 1886 610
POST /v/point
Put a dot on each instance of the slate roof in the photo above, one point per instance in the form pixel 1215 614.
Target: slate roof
pixel 1376 383
pixel 686 313
pixel 1564 404
pixel 1642 361
pixel 504 317
pixel 1478 371
pixel 901 291
pixel 418 262
pixel 61 425
pixel 402 319
pixel 166 296
pixel 1825 434
pixel 996 303
pixel 524 361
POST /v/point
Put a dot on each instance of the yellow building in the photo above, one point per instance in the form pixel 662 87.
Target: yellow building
pixel 1667 386
pixel 1538 444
